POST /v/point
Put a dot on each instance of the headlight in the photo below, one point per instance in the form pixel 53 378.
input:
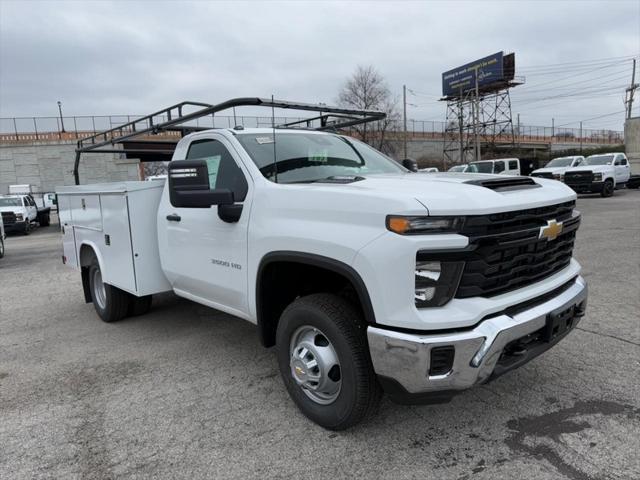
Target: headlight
pixel 436 282
pixel 597 177
pixel 19 217
pixel 403 225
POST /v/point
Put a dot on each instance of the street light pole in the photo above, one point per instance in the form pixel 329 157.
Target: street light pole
pixel 61 120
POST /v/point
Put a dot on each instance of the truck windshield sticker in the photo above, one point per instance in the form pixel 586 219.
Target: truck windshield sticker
pixel 264 140
pixel 318 156
pixel 213 165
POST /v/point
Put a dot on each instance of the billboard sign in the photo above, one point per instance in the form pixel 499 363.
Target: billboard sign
pixel 463 79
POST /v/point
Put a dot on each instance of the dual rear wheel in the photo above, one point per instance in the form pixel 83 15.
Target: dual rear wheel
pixel 110 302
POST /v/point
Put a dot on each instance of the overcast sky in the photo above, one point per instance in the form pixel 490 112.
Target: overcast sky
pixel 124 57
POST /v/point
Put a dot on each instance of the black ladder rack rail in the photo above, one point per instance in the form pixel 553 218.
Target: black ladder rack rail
pixel 176 115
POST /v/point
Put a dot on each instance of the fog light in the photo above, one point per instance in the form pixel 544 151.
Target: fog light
pixel 425 294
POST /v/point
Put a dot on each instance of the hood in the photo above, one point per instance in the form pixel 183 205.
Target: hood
pixel 591 168
pixel 12 209
pixel 443 193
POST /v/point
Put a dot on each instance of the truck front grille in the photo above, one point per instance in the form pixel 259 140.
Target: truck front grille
pixel 506 252
pixel 578 178
pixel 8 218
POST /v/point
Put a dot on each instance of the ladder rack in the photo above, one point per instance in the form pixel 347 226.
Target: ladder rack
pixel 330 118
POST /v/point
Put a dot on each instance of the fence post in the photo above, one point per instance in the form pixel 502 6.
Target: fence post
pixel 15 127
pixel 93 122
pixel 35 127
pixel 75 126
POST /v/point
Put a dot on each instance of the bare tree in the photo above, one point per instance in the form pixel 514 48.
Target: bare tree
pixel 366 89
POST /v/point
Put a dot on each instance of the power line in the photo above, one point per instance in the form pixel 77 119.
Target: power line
pixel 578 64
pixel 592 118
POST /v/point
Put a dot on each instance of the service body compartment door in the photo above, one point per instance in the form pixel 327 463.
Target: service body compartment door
pixel 69 250
pixel 86 211
pixel 117 254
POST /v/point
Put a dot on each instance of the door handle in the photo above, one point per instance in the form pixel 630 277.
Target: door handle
pixel 174 218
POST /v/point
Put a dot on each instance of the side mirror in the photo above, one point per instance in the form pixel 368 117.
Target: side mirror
pixel 189 186
pixel 410 164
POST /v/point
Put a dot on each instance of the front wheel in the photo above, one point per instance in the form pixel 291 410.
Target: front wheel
pixel 324 361
pixel 1 248
pixel 607 188
pixel 110 302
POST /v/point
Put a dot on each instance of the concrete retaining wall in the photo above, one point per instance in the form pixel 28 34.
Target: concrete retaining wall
pixel 48 165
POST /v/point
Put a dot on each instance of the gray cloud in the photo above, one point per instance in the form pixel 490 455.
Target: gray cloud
pixel 134 57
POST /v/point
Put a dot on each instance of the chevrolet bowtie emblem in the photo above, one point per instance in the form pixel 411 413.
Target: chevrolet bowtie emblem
pixel 551 230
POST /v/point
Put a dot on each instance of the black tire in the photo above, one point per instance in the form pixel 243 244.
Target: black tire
pixel 139 305
pixel 607 188
pixel 27 229
pixel 344 328
pixel 116 302
pixel 1 247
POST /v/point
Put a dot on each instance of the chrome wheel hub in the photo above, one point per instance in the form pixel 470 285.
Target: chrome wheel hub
pixel 98 289
pixel 314 365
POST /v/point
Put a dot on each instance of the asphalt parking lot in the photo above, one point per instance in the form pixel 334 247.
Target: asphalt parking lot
pixel 188 392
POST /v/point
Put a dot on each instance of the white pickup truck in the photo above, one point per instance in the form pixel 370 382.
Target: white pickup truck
pixel 365 276
pixel 21 214
pixel 601 173
pixel 556 168
pixel 502 166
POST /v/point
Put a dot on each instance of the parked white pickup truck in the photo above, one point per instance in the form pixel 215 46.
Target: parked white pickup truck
pixel 555 168
pixel 365 276
pixel 502 166
pixel 601 173
pixel 21 214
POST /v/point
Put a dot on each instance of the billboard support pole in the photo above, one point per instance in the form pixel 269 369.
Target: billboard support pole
pixel 476 117
pixel 460 128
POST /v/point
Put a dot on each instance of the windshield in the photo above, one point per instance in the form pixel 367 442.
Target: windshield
pixel 560 162
pixel 598 160
pixel 308 157
pixel 457 168
pixel 482 167
pixel 11 202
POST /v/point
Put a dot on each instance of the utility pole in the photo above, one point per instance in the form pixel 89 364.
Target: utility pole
pixel 580 137
pixel 631 90
pixel 61 120
pixel 553 128
pixel 518 130
pixel 404 117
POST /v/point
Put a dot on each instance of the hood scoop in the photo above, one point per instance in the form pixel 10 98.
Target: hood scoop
pixel 506 184
pixel 341 179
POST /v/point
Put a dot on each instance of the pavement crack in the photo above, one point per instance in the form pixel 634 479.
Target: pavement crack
pixel 610 336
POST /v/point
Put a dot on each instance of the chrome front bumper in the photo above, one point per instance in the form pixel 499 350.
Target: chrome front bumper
pixel 404 358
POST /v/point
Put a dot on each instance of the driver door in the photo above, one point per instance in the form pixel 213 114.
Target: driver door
pixel 206 258
pixel 621 167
